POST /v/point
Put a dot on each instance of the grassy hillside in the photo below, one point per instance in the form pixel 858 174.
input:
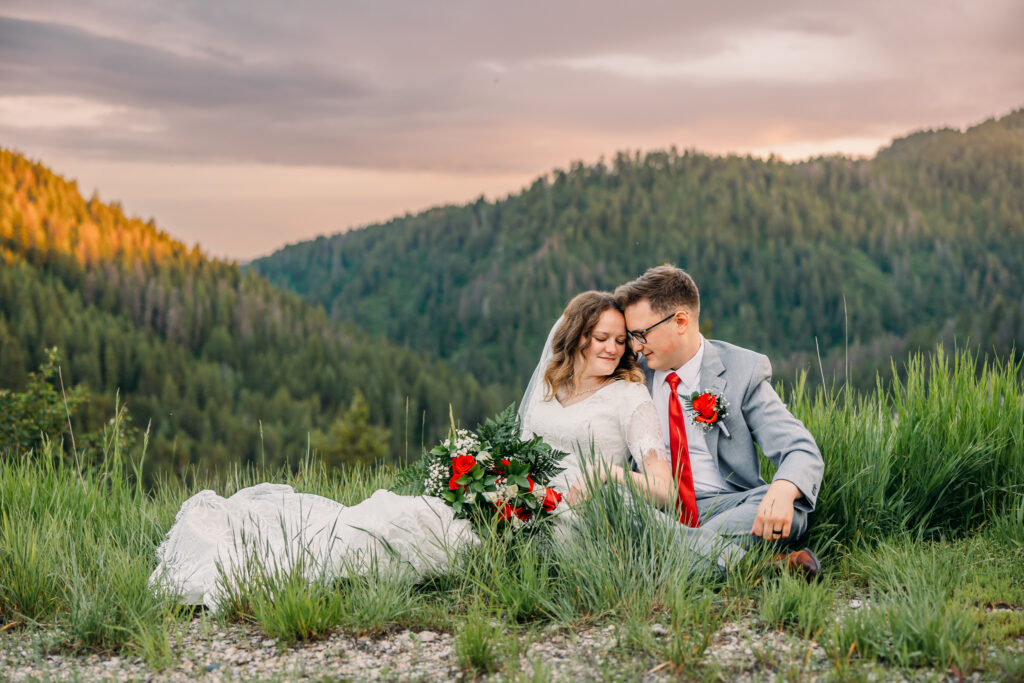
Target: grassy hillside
pixel 922 243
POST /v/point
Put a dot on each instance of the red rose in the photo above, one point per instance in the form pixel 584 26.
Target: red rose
pixel 504 509
pixel 463 463
pixel 531 484
pixel 704 406
pixel 452 482
pixel 523 513
pixel 551 499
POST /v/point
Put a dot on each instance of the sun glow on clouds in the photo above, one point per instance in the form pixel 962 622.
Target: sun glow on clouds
pixel 54 112
pixel 778 57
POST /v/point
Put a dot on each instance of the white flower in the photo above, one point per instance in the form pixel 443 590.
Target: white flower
pixel 539 492
pixel 470 497
pixel 483 457
pixel 491 496
pixel 464 441
pixel 509 492
pixel 436 481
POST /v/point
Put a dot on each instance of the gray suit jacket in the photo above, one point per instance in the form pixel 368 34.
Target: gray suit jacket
pixel 756 414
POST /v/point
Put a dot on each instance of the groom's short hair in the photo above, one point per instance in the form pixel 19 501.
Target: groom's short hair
pixel 666 288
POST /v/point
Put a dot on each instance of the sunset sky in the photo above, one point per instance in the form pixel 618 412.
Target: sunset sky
pixel 247 125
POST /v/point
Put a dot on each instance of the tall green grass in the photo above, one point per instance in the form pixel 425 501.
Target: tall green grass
pixel 479 644
pixel 939 452
pixel 914 614
pixel 76 550
pixel 937 456
pixel 789 602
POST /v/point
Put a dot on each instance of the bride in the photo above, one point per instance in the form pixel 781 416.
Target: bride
pixel 586 398
pixel 588 392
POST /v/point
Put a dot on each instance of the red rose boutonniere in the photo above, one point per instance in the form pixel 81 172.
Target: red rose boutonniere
pixel 707 410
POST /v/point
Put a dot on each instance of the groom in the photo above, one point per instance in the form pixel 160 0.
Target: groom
pixel 717 465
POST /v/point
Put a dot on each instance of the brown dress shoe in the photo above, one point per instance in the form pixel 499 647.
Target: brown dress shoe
pixel 805 562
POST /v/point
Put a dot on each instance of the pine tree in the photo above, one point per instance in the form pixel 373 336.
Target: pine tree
pixel 351 439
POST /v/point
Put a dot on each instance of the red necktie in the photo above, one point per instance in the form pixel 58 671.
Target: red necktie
pixel 681 455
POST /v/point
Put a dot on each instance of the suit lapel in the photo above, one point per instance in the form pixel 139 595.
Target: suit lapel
pixel 712 378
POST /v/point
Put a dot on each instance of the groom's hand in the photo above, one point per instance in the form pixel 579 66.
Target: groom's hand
pixel 775 513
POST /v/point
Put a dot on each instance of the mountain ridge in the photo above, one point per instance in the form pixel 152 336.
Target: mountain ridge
pixel 787 254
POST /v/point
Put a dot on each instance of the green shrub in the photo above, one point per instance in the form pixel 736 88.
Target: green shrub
pixel 39 411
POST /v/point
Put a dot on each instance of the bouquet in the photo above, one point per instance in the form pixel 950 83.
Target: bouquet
pixel 491 473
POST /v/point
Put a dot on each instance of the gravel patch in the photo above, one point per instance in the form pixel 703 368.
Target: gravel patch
pixel 209 651
pixel 216 652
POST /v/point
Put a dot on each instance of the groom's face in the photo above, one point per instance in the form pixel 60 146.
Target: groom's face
pixel 664 342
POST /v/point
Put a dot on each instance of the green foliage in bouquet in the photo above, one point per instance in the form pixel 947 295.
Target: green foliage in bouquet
pixel 409 481
pixel 500 436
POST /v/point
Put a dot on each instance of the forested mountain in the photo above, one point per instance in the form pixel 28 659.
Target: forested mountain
pixel 226 367
pixel 922 243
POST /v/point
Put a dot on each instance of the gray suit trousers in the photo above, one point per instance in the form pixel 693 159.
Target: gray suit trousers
pixel 731 515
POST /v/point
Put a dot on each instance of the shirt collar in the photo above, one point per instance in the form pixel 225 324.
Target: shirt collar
pixel 689 373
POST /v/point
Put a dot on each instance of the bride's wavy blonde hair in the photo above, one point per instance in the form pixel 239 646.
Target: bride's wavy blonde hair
pixel 573 338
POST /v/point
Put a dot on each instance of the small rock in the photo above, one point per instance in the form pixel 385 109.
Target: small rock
pixel 212 667
pixel 855 604
pixel 659 629
pixel 269 642
pixel 427 636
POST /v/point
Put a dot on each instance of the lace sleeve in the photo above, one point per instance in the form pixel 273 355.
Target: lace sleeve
pixel 643 429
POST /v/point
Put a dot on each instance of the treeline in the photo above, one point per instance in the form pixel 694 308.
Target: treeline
pixel 225 367
pixel 923 243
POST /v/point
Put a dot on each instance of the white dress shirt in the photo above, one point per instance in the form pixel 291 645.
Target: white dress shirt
pixel 707 480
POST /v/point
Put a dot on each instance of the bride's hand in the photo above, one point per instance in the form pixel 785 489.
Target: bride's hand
pixel 579 490
pixel 577 493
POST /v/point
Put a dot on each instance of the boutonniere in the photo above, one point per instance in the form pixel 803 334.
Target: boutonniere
pixel 707 410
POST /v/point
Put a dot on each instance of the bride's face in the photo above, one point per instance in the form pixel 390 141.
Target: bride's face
pixel 607 344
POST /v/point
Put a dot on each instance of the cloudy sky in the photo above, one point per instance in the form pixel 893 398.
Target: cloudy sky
pixel 247 125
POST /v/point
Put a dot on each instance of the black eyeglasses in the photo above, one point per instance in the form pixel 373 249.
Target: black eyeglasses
pixel 640 336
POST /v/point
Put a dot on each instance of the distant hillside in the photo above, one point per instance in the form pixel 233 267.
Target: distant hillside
pixel 924 242
pixel 226 366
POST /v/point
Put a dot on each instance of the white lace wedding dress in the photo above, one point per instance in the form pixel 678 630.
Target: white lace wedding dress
pixel 617 419
pixel 214 537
